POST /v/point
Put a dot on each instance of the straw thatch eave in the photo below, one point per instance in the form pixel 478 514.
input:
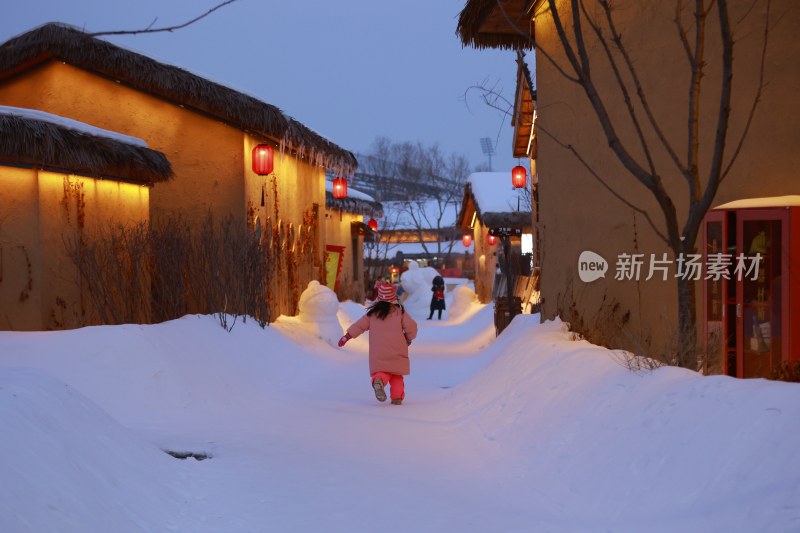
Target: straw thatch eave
pixel 482 24
pixel 35 143
pixel 357 206
pixel 65 43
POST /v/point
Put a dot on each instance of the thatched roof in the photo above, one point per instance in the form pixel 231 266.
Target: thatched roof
pixel 30 142
pixel 482 24
pixel 56 41
pixel 354 205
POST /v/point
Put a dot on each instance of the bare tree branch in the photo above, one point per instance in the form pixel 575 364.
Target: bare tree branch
pixel 756 98
pixel 623 87
pixel 684 38
pixel 605 184
pixel 150 29
pixel 533 45
pixel 693 138
pixel 617 39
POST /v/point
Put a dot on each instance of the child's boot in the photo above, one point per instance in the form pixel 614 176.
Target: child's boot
pixel 377 386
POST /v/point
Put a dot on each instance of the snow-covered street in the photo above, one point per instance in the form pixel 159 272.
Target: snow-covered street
pixel 528 432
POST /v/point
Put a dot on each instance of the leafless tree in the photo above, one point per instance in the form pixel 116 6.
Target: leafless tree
pixel 585 25
pixel 434 183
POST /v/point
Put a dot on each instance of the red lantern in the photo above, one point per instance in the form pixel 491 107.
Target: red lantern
pixel 373 224
pixel 491 240
pixel 466 240
pixel 519 177
pixel 340 188
pixel 262 159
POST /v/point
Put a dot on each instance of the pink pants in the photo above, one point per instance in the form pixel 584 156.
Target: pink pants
pixel 395 381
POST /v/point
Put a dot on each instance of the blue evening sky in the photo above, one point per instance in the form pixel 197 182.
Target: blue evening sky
pixel 350 70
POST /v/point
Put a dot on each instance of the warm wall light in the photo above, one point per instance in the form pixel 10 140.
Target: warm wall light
pixel 519 177
pixel 491 240
pixel 340 188
pixel 373 224
pixel 263 159
pixel 466 240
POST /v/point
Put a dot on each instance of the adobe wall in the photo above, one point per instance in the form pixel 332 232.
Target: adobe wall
pixel 43 213
pixel 485 258
pixel 289 213
pixel 20 254
pixel 338 233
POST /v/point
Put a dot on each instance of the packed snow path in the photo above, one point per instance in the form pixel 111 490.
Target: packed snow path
pixel 528 432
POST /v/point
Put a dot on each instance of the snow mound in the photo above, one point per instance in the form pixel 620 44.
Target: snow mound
pixel 318 309
pixel 64 461
pixel 417 282
pixel 628 451
pixel 462 301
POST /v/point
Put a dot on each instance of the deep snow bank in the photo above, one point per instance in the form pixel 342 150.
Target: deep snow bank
pixel 662 450
pixel 64 461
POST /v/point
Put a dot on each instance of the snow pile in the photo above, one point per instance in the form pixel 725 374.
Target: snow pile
pixel 67 466
pixel 417 282
pixel 318 307
pixel 462 300
pixel 667 451
pixel 530 431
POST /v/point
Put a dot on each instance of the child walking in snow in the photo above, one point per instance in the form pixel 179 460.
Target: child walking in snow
pixel 391 332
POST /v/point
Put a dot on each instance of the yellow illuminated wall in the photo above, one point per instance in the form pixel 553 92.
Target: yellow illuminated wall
pixel 210 159
pixel 485 262
pixel 338 232
pixel 40 285
pixel 294 195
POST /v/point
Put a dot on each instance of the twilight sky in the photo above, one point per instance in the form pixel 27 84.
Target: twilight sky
pixel 350 70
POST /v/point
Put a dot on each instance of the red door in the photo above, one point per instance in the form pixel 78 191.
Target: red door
pixel 718 303
pixel 762 345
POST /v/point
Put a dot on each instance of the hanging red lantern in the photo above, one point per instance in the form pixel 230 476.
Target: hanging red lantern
pixel 373 224
pixel 519 177
pixel 466 240
pixel 491 240
pixel 340 188
pixel 262 159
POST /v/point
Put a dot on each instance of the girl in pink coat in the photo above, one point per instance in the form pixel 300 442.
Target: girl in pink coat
pixel 391 331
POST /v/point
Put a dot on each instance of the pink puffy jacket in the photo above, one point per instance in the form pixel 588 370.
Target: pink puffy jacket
pixel 388 348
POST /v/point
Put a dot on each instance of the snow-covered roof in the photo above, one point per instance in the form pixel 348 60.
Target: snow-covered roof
pixel 351 193
pixel 355 202
pixel 70 124
pixel 32 138
pixel 494 194
pixel 772 201
pixel 416 248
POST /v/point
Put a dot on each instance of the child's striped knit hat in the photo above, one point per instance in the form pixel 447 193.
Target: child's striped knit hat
pixel 387 292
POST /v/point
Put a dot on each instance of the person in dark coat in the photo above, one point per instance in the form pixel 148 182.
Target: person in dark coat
pixel 437 300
